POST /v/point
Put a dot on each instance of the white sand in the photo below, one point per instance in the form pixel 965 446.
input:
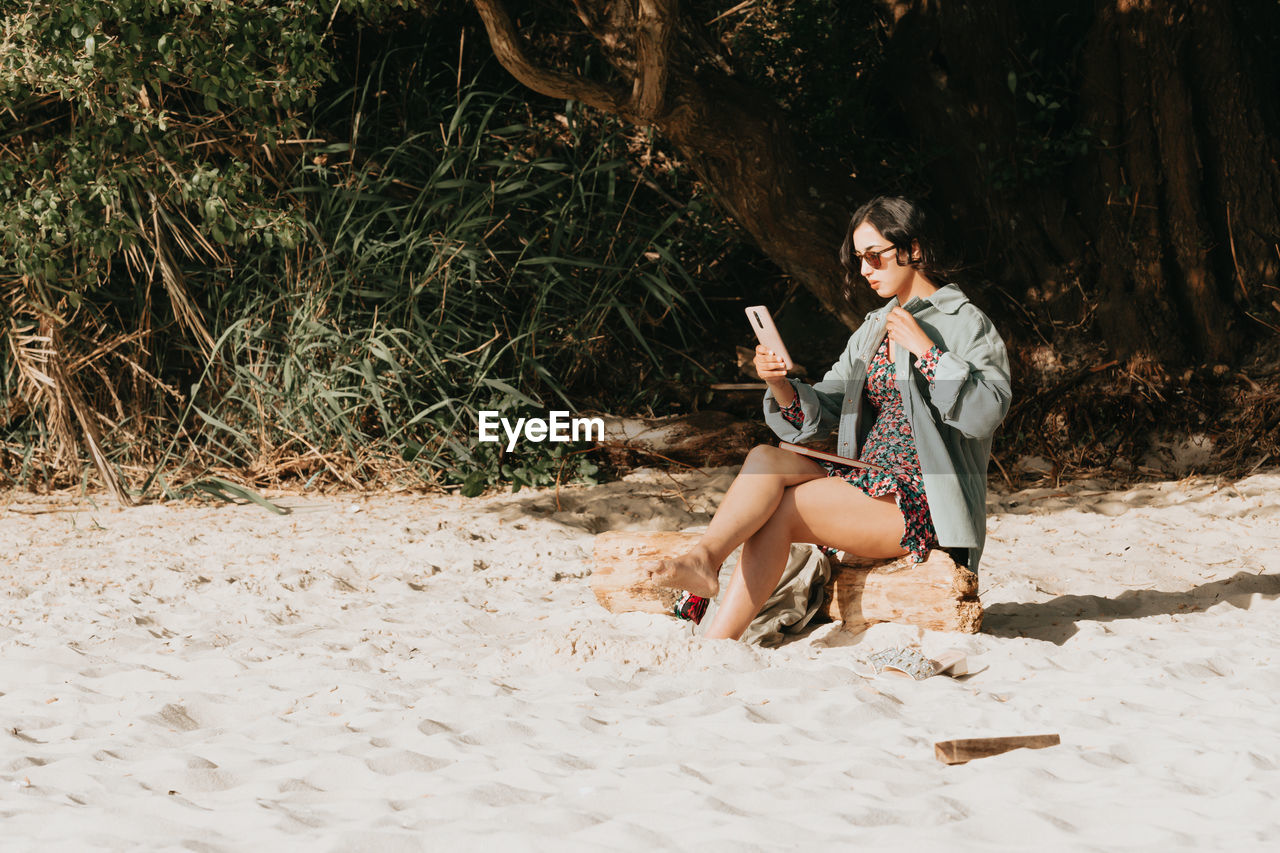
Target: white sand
pixel 404 673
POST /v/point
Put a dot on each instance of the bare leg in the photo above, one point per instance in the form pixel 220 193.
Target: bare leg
pixel 828 511
pixel 751 500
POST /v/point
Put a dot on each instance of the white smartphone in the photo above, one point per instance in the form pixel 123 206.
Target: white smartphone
pixel 767 333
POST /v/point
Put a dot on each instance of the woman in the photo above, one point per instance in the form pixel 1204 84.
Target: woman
pixel 919 390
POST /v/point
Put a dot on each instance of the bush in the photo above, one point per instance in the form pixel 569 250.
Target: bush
pixel 222 258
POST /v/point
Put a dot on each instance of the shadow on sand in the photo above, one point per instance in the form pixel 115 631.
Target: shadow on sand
pixel 1056 620
pixel 661 504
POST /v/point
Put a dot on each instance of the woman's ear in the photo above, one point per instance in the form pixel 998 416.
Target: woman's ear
pixel 916 255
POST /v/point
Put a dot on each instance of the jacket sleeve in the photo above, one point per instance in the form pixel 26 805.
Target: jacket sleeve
pixel 820 403
pixel 970 386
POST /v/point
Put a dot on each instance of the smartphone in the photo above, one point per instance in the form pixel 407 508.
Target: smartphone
pixel 767 333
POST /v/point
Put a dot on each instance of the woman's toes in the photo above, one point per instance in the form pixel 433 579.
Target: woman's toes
pixel 688 571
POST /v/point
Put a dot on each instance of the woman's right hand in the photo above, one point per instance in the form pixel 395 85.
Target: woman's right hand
pixel 773 371
pixel 769 367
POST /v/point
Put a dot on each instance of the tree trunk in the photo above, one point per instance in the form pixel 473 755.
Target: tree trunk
pixel 949 64
pixel 1183 190
pixel 1174 220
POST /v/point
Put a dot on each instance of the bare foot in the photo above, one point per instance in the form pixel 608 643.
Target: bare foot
pixel 693 571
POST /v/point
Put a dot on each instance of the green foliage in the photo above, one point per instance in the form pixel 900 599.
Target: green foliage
pixel 255 259
pixel 1049 138
pixel 230 492
pixel 555 465
pixel 817 58
pixel 139 117
pixel 452 270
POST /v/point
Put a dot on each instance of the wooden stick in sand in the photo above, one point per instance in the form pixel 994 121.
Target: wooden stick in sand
pixel 967 749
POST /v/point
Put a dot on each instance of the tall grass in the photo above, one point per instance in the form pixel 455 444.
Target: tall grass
pixel 460 257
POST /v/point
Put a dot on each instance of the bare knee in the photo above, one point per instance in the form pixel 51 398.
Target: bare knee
pixel 767 459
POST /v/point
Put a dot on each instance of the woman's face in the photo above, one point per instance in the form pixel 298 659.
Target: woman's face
pixel 890 279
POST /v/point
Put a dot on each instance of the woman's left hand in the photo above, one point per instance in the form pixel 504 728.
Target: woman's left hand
pixel 904 331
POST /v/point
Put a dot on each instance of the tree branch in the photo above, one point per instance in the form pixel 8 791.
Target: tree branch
pixel 509 48
pixel 654 26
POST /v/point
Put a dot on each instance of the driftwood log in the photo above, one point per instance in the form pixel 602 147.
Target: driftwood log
pixel 936 594
pixel 705 438
pixel 622 559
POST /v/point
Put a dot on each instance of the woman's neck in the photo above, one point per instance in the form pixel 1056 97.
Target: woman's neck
pixel 919 287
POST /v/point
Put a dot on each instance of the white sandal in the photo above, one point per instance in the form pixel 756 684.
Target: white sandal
pixel 912 663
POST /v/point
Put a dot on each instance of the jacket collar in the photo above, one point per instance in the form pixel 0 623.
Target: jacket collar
pixel 947 299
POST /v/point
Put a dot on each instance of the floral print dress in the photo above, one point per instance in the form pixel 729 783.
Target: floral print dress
pixel 890 445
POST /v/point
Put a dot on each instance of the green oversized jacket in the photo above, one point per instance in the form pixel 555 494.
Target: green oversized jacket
pixel 952 419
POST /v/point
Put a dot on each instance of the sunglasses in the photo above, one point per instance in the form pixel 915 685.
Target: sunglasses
pixel 875 260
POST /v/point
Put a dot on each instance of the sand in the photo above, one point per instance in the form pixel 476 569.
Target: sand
pixel 423 673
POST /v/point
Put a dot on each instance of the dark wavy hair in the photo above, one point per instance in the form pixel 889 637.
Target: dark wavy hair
pixel 907 227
